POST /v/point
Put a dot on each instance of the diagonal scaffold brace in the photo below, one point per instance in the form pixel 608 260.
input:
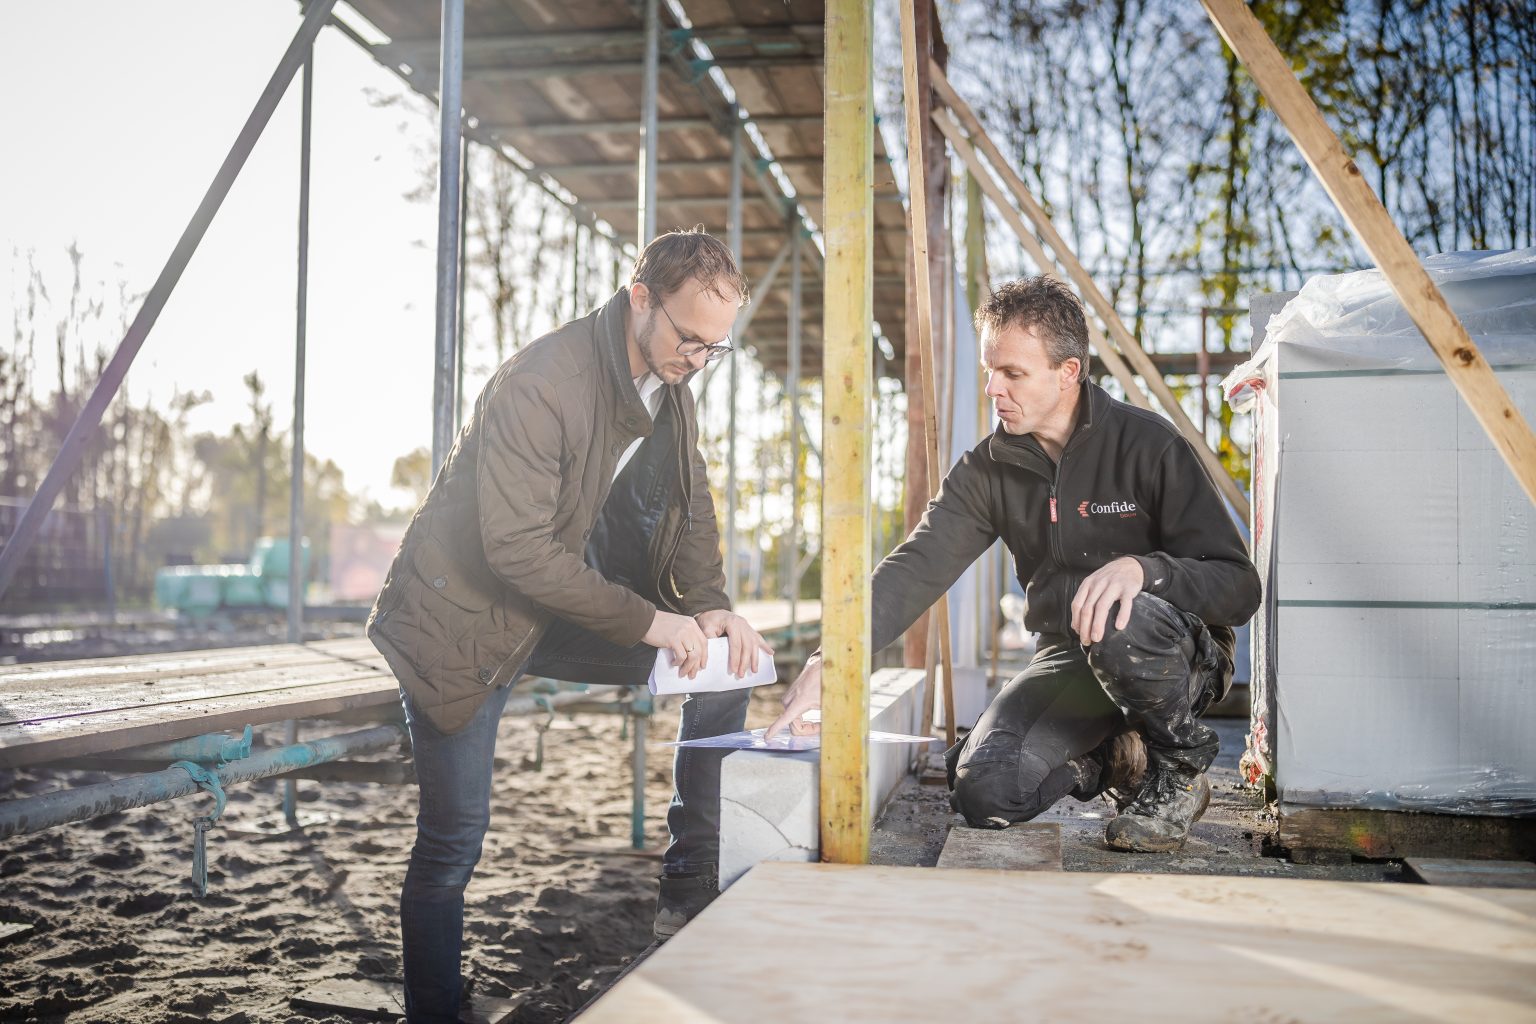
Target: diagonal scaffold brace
pixel 77 441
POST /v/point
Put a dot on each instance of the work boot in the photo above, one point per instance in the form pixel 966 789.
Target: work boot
pixel 1171 799
pixel 681 898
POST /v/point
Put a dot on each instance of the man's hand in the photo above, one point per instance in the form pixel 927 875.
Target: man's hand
pixel 746 643
pixel 683 637
pixel 803 695
pixel 1120 580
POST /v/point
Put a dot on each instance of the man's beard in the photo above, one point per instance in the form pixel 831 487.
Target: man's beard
pixel 643 338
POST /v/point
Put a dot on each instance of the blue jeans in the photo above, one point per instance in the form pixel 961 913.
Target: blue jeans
pixel 454 776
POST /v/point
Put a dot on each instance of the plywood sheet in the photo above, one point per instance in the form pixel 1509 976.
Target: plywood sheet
pixel 888 944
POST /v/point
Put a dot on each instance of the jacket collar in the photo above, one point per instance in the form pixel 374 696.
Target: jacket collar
pixel 1024 451
pixel 629 412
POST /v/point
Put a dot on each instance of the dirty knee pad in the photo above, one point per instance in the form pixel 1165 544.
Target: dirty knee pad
pixel 995 794
pixel 1156 630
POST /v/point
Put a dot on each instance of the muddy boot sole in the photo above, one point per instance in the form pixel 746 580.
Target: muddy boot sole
pixel 1154 843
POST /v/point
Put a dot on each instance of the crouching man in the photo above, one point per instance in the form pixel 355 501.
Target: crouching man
pixel 1133 571
pixel 570 533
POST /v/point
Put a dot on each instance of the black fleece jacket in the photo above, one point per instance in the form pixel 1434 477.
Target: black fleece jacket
pixel 1128 484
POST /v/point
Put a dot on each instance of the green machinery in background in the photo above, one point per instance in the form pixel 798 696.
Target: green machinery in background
pixel 261 583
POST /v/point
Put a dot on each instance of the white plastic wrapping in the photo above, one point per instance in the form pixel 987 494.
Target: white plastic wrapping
pixel 1395 658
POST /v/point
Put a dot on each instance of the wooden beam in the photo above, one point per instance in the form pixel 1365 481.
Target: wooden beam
pixel 1106 353
pixel 1129 346
pixel 848 360
pixel 917 194
pixel 1362 210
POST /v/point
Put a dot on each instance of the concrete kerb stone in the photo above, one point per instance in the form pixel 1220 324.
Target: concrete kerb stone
pixel 770 802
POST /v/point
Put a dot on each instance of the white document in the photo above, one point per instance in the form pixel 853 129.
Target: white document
pixel 716 676
pixel 753 740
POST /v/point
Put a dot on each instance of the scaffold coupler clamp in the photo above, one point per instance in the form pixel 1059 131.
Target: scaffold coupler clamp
pixel 206 779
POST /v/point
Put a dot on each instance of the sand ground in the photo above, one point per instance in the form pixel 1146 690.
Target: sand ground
pixel 120 936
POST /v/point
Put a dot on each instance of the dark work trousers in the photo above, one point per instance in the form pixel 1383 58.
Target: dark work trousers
pixel 1157 675
pixel 453 772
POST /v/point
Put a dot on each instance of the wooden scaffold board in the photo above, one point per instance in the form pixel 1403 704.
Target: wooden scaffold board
pixel 855 944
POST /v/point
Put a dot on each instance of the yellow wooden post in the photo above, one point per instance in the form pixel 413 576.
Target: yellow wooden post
pixel 847 381
pixel 1363 211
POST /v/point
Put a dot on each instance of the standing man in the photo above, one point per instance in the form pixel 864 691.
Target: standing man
pixel 570 533
pixel 1133 572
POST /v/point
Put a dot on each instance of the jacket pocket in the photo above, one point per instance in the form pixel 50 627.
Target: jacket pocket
pixel 450 580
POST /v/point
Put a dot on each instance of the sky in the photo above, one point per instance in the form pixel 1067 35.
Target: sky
pixel 116 117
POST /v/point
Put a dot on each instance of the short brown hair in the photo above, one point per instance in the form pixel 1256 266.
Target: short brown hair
pixel 673 259
pixel 1045 305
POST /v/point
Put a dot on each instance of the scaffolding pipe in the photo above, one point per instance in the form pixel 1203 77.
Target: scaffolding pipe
pixel 296 471
pixel 301 325
pixel 21 817
pixel 450 157
pixel 576 271
pixel 760 291
pixel 792 557
pixel 637 783
pixel 458 348
pixel 212 747
pixel 734 230
pixel 648 122
pixel 84 428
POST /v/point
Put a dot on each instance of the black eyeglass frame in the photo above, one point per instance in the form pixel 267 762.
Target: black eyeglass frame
pixel 688 348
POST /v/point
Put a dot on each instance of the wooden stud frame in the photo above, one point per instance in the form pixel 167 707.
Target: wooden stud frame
pixel 919 210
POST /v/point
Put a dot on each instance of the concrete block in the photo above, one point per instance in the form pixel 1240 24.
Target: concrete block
pixel 973 692
pixel 1497 525
pixel 770 809
pixel 1356 581
pixel 1520 385
pixel 770 803
pixel 1379 742
pixel 1367 643
pixel 1035 846
pixel 1334 414
pixel 1368 507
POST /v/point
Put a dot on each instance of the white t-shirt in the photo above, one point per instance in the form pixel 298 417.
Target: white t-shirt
pixel 649 386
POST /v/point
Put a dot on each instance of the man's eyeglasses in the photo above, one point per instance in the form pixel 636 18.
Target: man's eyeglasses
pixel 690 347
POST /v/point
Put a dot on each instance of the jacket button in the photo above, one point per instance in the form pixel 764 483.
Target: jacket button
pixel 440 582
pixel 485 675
pixel 630 423
pixel 618 449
